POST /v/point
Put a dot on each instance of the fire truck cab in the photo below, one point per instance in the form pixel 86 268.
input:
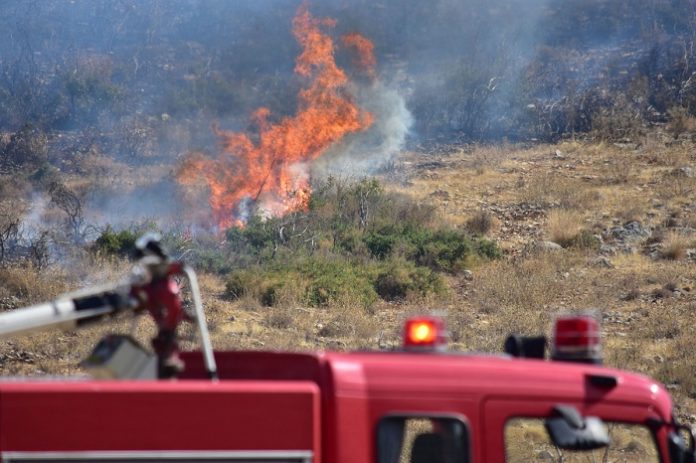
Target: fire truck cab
pixel 416 405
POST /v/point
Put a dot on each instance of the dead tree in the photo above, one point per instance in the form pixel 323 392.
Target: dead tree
pixel 39 251
pixel 68 202
pixel 10 222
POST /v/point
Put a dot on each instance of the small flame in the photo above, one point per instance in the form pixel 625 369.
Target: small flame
pixel 273 173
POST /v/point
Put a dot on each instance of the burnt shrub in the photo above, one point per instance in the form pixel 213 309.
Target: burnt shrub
pixel 480 223
pixel 26 149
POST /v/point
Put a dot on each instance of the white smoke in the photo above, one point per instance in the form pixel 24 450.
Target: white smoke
pixel 34 219
pixel 365 152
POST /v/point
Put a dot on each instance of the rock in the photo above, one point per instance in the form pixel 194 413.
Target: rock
pixel 440 194
pixel 603 262
pixel 630 232
pixel 9 303
pixel 683 172
pixel 607 250
pixel 659 359
pixel 468 275
pixel 631 295
pixel 547 246
pixel 661 293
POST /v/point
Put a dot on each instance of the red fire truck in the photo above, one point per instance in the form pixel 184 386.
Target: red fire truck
pixel 418 404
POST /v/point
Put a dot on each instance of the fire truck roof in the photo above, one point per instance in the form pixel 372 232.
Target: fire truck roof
pixel 372 374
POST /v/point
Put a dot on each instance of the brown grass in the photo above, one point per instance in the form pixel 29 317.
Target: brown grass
pixel 674 246
pixel 31 285
pixel 481 222
pixel 563 226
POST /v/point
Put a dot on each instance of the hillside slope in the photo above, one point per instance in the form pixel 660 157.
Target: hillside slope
pixel 583 225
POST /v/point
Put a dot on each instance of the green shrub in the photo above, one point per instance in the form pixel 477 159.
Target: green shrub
pixel 487 248
pixel 120 243
pixel 316 281
pixel 241 282
pixel 400 279
pixel 349 241
pixel 585 240
pixel 264 285
pixel 334 280
pixel 380 243
pixel 208 260
pixel 443 249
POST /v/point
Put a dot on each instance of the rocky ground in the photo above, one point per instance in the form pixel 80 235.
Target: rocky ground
pixel 585 225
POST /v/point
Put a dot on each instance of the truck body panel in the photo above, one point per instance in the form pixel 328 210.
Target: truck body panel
pixel 321 406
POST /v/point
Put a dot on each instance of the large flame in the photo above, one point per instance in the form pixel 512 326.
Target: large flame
pixel 273 172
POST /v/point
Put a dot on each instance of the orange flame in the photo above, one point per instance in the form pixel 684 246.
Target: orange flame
pixel 273 172
pixel 365 59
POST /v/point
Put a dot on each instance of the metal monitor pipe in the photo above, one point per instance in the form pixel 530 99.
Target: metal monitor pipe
pixel 151 287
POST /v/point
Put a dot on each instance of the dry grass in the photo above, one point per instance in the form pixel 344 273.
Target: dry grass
pixel 31 285
pixel 675 245
pixel 518 297
pixel 563 226
pixel 557 190
pixel 527 440
pixel 481 223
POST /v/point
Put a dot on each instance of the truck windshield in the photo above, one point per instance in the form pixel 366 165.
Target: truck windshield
pixel 526 439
